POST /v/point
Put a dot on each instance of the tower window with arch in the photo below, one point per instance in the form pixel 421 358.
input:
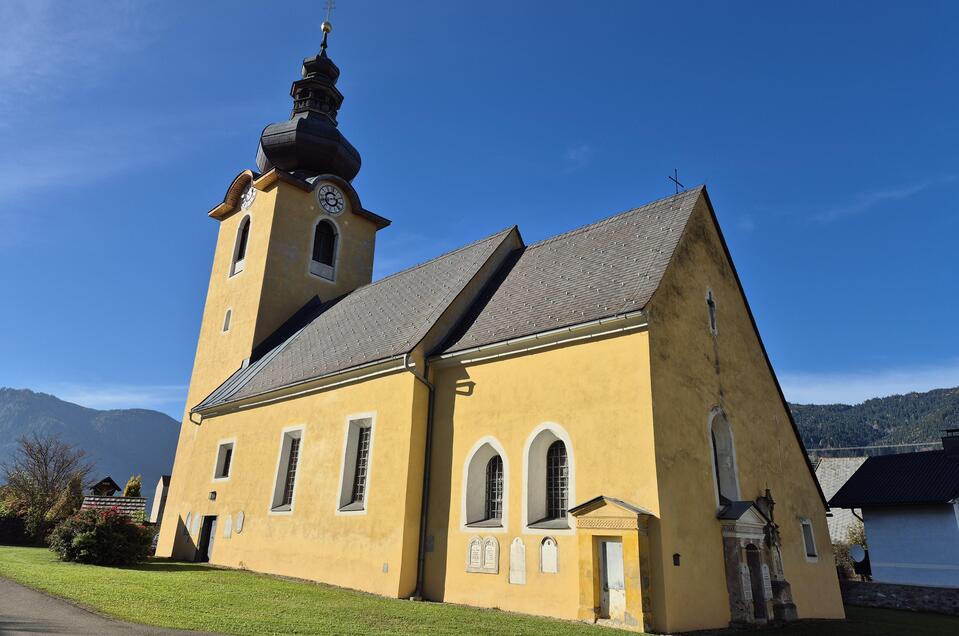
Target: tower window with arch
pixel 239 249
pixel 724 459
pixel 323 261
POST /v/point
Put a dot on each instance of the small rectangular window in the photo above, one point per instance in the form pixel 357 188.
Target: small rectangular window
pixel 284 488
pixel 224 460
pixel 354 481
pixel 809 539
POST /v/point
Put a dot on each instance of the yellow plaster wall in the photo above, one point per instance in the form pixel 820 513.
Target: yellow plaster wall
pixel 599 392
pixel 274 283
pixel 314 542
pixel 692 373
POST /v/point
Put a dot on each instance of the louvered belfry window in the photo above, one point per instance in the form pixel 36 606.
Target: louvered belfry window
pixel 291 472
pixel 494 488
pixel 362 464
pixel 324 243
pixel 557 481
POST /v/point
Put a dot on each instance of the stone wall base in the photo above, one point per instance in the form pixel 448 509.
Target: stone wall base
pixel 916 598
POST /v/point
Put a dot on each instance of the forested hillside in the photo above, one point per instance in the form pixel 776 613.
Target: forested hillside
pixel 897 419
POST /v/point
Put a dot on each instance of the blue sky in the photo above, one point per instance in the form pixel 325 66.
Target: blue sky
pixel 826 134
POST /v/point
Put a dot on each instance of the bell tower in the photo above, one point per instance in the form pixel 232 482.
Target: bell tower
pixel 292 231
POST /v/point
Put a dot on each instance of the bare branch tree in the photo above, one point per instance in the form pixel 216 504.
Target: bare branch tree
pixel 38 475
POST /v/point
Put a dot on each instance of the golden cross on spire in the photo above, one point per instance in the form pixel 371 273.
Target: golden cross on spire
pixel 327 26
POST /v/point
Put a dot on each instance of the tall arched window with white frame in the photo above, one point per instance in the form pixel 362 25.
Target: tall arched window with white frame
pixel 724 458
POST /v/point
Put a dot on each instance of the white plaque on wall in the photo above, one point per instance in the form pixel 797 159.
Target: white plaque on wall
pixel 549 556
pixel 239 521
pixel 196 524
pixel 491 555
pixel 474 555
pixel 517 562
pixel 227 526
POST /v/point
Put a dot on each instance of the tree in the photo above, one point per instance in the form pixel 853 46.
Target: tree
pixel 38 475
pixel 132 489
pixel 68 502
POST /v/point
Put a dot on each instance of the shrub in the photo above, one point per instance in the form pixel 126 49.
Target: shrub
pixel 101 537
pixel 12 530
pixel 134 484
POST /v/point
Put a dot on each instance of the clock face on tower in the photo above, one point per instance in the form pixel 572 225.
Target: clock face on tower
pixel 330 198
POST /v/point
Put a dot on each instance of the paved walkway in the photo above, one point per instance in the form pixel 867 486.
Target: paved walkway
pixel 25 611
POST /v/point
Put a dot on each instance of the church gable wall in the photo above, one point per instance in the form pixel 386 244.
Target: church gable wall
pixel 373 549
pixel 695 371
pixel 594 396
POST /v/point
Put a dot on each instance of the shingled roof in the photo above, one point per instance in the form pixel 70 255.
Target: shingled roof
pixel 609 268
pixel 928 477
pixel 378 321
pixel 605 269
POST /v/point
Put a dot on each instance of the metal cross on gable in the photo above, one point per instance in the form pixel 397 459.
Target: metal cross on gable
pixel 675 180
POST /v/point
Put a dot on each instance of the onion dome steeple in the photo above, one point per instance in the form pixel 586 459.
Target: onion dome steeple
pixel 309 143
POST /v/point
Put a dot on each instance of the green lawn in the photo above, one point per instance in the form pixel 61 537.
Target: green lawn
pixel 196 597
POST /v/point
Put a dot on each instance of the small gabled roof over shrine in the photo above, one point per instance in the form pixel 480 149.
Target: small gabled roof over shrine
pixel 106 487
pixel 741 511
pixel 601 501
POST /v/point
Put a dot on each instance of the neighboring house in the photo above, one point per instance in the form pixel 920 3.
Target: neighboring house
pixel 832 473
pixel 133 507
pixel 106 487
pixel 910 504
pixel 586 427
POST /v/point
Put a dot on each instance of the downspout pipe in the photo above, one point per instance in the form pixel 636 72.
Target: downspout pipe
pixel 427 460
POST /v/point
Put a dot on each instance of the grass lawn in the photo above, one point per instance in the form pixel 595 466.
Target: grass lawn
pixel 189 596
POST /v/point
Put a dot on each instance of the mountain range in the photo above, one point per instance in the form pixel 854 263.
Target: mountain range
pixel 912 418
pixel 122 442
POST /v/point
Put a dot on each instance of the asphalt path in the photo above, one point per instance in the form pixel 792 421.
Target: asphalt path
pixel 28 612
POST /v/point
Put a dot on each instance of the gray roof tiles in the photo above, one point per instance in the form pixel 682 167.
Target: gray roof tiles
pixel 604 269
pixel 384 319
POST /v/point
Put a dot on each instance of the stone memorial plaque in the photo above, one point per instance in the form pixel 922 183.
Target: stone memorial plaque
pixel 767 583
pixel 228 527
pixel 196 524
pixel 474 555
pixel 517 562
pixel 549 556
pixel 746 581
pixel 491 555
pixel 239 521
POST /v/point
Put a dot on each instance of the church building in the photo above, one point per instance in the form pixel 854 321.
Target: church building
pixel 586 428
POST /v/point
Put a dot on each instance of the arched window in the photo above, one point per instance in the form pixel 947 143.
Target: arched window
pixel 239 250
pixel 550 490
pixel 494 488
pixel 557 481
pixel 226 320
pixel 724 458
pixel 485 476
pixel 324 249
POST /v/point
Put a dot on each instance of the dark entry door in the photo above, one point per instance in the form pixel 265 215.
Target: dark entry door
pixel 207 535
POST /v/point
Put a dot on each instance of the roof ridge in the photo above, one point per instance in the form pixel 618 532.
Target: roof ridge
pixel 612 217
pixel 434 259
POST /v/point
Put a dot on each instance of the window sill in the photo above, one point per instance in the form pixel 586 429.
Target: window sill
pixel 486 523
pixel 356 506
pixel 550 524
pixel 322 270
pixel 282 509
pixel 237 268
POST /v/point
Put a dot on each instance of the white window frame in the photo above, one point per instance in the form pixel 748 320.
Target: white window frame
pixel 551 431
pixel 317 269
pixel 477 473
pixel 348 465
pixel 282 458
pixel 806 522
pixel 220 456
pixel 717 411
pixel 237 265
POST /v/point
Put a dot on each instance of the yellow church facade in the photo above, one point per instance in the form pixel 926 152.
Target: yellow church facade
pixel 587 427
